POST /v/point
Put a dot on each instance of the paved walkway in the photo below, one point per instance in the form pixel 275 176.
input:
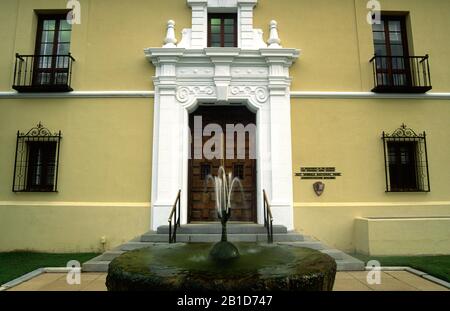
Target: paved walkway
pixel 345 281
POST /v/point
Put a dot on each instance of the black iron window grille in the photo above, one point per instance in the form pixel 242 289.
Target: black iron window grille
pixel 406 161
pixel 36 161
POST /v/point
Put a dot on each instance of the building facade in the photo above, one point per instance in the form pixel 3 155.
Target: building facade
pixel 351 113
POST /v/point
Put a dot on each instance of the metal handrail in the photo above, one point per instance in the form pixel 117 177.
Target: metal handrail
pixel 21 56
pixel 175 216
pixel 268 218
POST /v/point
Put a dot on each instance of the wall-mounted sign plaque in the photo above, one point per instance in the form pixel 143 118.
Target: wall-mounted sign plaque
pixel 318 173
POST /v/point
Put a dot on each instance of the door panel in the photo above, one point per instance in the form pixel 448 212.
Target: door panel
pixel 201 190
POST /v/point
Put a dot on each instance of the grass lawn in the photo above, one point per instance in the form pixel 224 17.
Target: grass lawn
pixel 437 266
pixel 15 264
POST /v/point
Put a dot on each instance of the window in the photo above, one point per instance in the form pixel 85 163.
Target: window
pixel 391 45
pixel 406 161
pixel 222 30
pixel 36 165
pixel 52 50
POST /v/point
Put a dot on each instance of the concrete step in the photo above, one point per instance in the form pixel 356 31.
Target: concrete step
pixel 334 253
pixel 96 265
pixel 209 238
pixel 216 228
pixel 307 244
pixel 110 255
pixel 349 263
pixel 130 246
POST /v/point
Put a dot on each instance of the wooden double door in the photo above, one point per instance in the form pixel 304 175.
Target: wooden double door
pixel 201 200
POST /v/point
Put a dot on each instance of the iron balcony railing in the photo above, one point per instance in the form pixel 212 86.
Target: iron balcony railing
pixel 43 73
pixel 401 74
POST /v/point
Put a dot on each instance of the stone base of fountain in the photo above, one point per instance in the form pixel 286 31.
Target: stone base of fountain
pixel 224 251
pixel 188 267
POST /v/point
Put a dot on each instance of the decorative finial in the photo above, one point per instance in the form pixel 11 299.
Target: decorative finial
pixel 274 40
pixel 170 40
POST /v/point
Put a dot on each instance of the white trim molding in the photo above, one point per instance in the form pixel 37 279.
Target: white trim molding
pixel 293 94
pixel 187 78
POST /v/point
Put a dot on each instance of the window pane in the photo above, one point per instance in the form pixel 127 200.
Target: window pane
pixel 64 25
pixel 395 26
pixel 397 50
pixel 398 63
pixel 215 21
pixel 43 78
pixel 229 21
pixel 215 38
pixel 229 38
pixel 400 80
pixel 48 36
pixel 63 49
pixel 229 28
pixel 215 29
pixel 49 24
pixel 229 44
pixel 62 62
pixel 380 50
pixel 61 78
pixel 64 36
pixel 395 37
pixel 379 37
pixel 46 49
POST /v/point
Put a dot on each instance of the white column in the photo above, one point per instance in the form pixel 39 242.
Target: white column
pixel 245 24
pixel 281 195
pixel 168 144
pixel 199 34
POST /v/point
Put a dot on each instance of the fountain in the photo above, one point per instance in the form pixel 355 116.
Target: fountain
pixel 224 185
pixel 223 266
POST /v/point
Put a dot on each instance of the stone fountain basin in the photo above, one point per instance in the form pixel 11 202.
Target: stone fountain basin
pixel 187 267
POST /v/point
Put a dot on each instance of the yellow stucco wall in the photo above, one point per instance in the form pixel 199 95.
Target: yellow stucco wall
pixel 108 43
pixel 346 134
pixel 70 227
pixel 337 42
pixel 105 151
pixel 334 37
pixel 104 182
pixel 402 236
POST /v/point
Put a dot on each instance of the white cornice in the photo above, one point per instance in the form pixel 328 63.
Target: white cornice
pixel 294 94
pixel 234 54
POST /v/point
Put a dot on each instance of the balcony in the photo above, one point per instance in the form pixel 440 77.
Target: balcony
pixel 43 73
pixel 400 74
